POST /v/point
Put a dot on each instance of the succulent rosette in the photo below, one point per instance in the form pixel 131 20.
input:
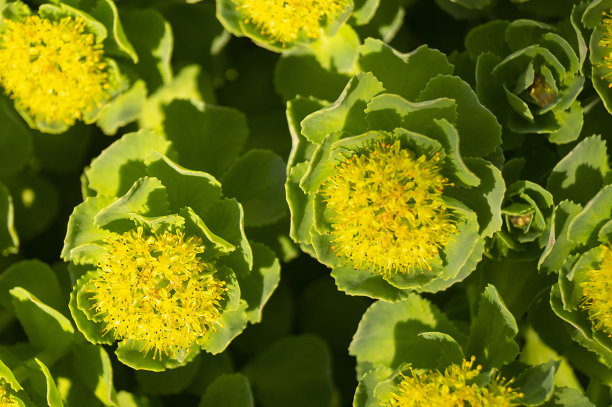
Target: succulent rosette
pixel 58 64
pixel 161 258
pixel 529 76
pixel 281 25
pixel 409 353
pixel 526 211
pixel 387 185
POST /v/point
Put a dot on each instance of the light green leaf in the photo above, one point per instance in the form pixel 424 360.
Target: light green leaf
pixel 585 226
pixel 9 242
pixel 228 391
pixel 93 367
pixel 537 383
pixel 123 109
pixel 54 399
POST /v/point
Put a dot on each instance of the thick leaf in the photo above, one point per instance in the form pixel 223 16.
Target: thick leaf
pixel 256 180
pixel 347 112
pixel 231 324
pixel 46 328
pixel 558 246
pixel 566 397
pixel 537 383
pixel 403 74
pixel 53 396
pixel 114 171
pixel 580 174
pixel 228 391
pixel 15 140
pixel 81 306
pixel 492 332
pixel 169 382
pixel 9 242
pixel 299 204
pixel 93 367
pixel 479 131
pixel 585 226
pixel 389 335
pixel 129 353
pixel 488 37
pixel 123 109
pixel 292 371
pixel 204 137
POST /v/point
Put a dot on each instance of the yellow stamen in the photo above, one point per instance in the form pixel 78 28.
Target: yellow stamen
pixel 156 289
pixel 282 20
pixel 597 292
pixel 53 69
pixel 388 211
pixel 452 389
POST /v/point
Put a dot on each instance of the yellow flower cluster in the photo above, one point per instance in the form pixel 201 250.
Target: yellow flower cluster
pixel 156 289
pixel 597 292
pixel 53 69
pixel 606 42
pixel 5 397
pixel 388 211
pixel 452 389
pixel 282 20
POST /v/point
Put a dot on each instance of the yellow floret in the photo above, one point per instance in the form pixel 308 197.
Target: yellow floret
pixel 53 69
pixel 282 20
pixel 597 292
pixel 388 210
pixel 156 289
pixel 451 389
pixel 6 400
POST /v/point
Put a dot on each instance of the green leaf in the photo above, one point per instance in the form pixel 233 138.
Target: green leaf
pixel 114 171
pixel 204 137
pixel 168 382
pixel 256 180
pixel 15 140
pixel 151 36
pixel 46 328
pixel 81 306
pixel 93 367
pixel 364 395
pixel 299 204
pixel 53 396
pixel 293 371
pixel 123 109
pixel 559 246
pixel 580 174
pixel 488 37
pixel 389 335
pixel 585 226
pixel 479 131
pixel 231 324
pixel 9 242
pixel 129 353
pixel 566 397
pixel 147 197
pixel 366 282
pixel 198 190
pixel 537 383
pixel 35 277
pixel 257 287
pixel 403 74
pixel 347 113
pixel 228 391
pixel 364 11
pixel 297 110
pixel 492 332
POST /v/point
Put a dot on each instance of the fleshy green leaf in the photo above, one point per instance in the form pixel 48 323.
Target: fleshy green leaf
pixel 53 396
pixel 168 382
pixel 585 226
pixel 228 391
pixel 9 242
pixel 15 140
pixel 537 383
pixel 93 367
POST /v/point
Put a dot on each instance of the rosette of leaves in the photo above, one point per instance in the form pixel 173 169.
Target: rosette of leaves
pixel 529 76
pixel 51 365
pixel 387 186
pixel 410 353
pixel 160 257
pixel 578 246
pixel 281 25
pixel 526 211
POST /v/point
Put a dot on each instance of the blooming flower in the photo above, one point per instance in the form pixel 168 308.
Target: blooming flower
pixel 453 387
pixel 155 288
pixel 54 70
pixel 597 289
pixel 284 20
pixel 388 211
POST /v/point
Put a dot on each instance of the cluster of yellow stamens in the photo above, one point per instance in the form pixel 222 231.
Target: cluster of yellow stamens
pixel 388 211
pixel 53 69
pixel 155 288
pixel 597 292
pixel 5 396
pixel 606 42
pixel 453 388
pixel 282 20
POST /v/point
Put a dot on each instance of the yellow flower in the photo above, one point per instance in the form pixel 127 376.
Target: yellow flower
pixel 156 289
pixel 597 292
pixel 6 400
pixel 606 42
pixel 388 211
pixel 451 389
pixel 282 20
pixel 53 69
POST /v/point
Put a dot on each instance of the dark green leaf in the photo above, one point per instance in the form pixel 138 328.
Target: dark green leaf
pixel 228 391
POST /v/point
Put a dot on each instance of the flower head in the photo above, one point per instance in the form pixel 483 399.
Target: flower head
pixel 155 288
pixel 453 388
pixel 283 20
pixel 388 211
pixel 6 400
pixel 53 69
pixel 597 292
